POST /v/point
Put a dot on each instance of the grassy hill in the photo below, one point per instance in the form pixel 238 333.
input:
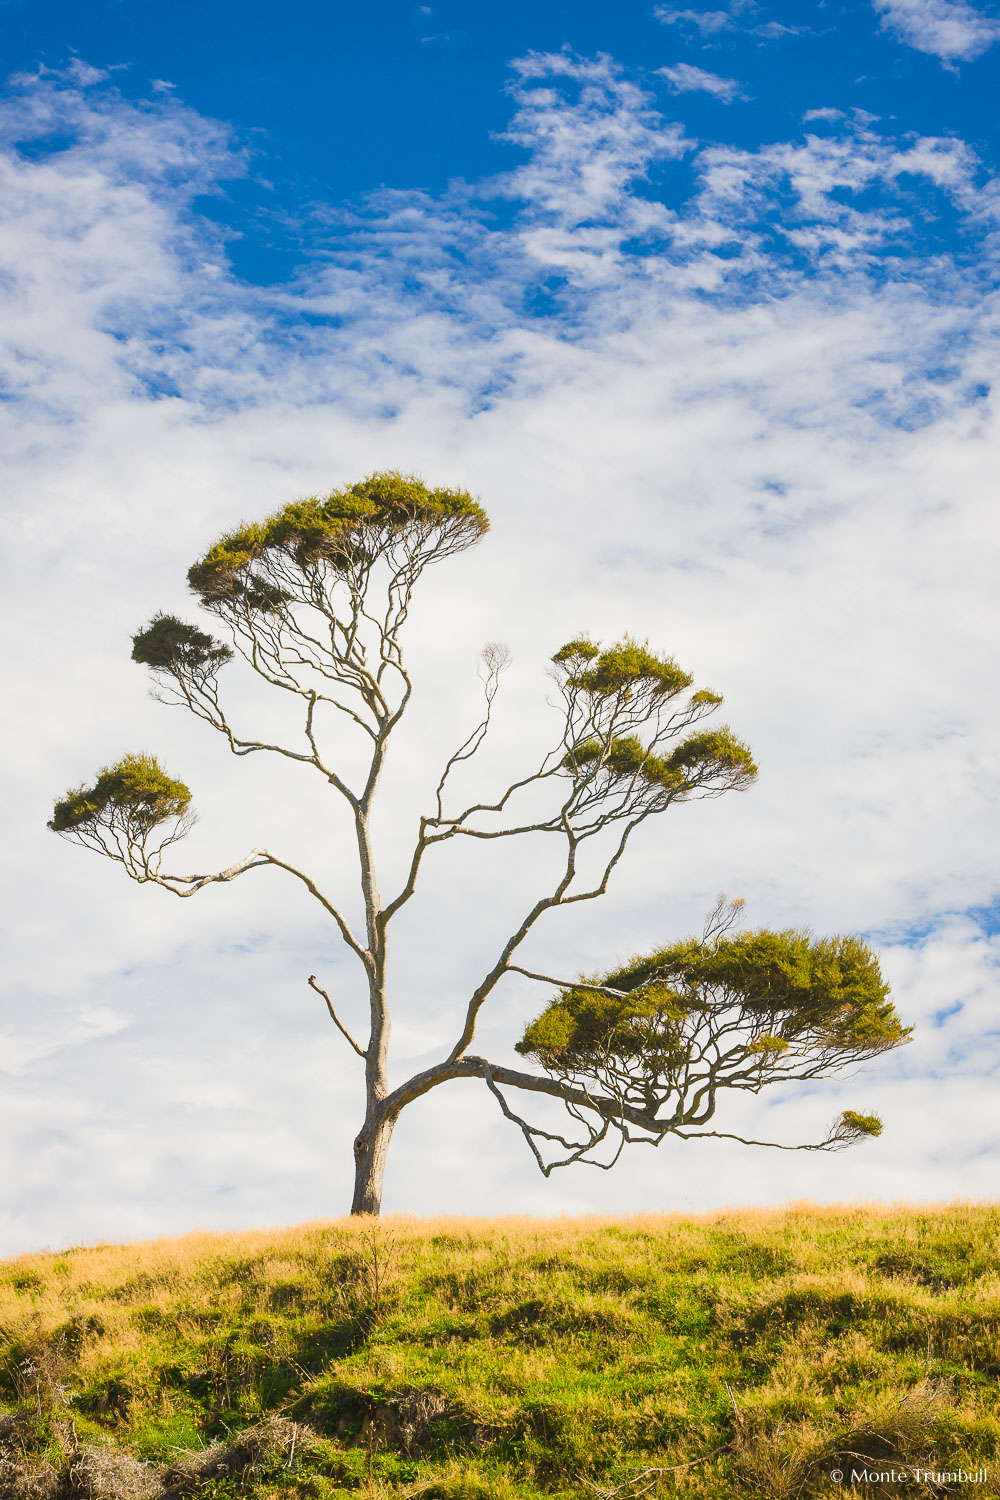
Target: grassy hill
pixel 730 1355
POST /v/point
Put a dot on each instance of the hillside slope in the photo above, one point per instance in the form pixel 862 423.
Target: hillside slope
pixel 744 1354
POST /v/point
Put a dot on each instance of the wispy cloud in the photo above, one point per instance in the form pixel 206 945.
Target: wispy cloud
pixel 708 22
pixel 684 78
pixel 951 30
pixel 740 15
pixel 753 423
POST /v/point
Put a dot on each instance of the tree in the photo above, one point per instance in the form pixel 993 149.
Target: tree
pixel 315 600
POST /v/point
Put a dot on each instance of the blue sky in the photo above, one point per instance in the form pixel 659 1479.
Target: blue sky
pixel 337 101
pixel 701 299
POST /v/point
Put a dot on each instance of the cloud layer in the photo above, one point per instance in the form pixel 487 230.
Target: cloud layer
pixel 737 401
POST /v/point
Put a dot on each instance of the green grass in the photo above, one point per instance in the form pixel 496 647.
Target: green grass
pixel 510 1358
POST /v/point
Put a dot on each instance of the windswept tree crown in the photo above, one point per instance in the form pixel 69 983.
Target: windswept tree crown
pixel 662 1035
pixel 169 644
pixel 791 988
pixel 388 515
pixel 135 793
pixel 626 684
pixel 621 668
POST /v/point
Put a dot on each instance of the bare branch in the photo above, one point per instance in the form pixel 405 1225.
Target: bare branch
pixel 485 988
pixel 565 984
pixel 724 916
pixel 495 659
pixel 833 1141
pixel 577 1152
pixel 203 702
pixel 363 953
pixel 335 1018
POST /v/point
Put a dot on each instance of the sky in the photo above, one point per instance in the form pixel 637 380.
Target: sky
pixel 702 302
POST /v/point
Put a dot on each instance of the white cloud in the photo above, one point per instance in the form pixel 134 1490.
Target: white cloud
pixel 685 79
pixel 777 461
pixel 951 30
pixel 585 158
pixel 708 22
pixel 740 15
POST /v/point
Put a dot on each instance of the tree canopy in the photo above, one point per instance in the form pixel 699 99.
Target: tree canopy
pixel 263 565
pixel 135 794
pixel 663 1033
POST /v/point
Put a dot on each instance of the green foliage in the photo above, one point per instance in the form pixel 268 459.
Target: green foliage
pixel 714 759
pixel 861 1124
pixel 136 789
pixel 580 651
pixel 832 982
pixel 768 1044
pixel 693 764
pixel 621 669
pixel 626 759
pixel 714 750
pixel 581 1027
pixel 825 993
pixel 168 644
pixel 348 528
pixel 625 683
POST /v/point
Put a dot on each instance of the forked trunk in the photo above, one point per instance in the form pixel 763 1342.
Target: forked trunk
pixel 370 1149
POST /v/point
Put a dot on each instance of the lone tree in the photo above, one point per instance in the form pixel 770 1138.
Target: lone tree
pixel 315 600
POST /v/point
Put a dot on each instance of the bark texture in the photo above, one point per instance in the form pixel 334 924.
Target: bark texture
pixel 371 1147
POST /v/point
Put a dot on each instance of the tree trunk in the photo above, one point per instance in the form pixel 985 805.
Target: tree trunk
pixel 370 1149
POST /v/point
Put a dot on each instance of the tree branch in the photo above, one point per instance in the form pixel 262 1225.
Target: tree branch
pixel 477 1067
pixel 335 1018
pixel 568 984
pixel 833 1142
